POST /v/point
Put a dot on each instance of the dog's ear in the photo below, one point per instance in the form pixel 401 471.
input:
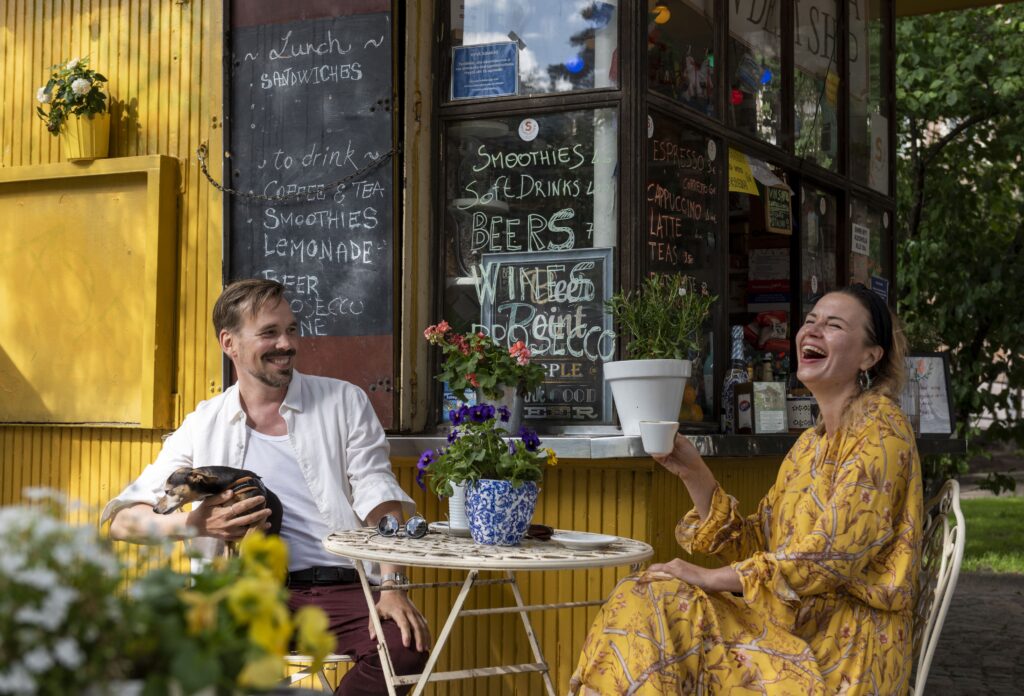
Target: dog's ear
pixel 196 477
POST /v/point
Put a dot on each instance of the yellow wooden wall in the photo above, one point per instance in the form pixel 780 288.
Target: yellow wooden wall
pixel 162 58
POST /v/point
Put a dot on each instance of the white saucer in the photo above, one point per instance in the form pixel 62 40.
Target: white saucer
pixel 583 540
pixel 443 528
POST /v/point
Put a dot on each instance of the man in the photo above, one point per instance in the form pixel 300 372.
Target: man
pixel 318 445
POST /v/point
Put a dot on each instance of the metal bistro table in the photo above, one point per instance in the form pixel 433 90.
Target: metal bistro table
pixel 438 550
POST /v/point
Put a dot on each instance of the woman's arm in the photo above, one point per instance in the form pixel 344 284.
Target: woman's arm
pixel 685 462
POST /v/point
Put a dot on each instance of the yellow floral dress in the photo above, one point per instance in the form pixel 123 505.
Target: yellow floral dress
pixel 828 565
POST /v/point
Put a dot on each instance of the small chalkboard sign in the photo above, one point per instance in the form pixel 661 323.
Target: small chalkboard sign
pixel 778 211
pixel 554 302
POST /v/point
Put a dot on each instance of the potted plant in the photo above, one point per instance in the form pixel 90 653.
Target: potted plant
pixel 500 375
pixel 662 319
pixel 72 103
pixel 67 620
pixel 501 473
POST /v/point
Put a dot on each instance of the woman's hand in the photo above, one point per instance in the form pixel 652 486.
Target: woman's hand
pixel 684 457
pixel 676 568
pixel 724 579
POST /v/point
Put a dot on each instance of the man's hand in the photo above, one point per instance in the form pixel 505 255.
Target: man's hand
pixel 219 518
pixel 396 605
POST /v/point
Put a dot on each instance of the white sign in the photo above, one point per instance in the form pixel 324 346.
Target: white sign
pixel 860 242
pixel 528 129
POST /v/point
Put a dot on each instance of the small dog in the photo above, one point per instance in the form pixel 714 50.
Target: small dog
pixel 188 485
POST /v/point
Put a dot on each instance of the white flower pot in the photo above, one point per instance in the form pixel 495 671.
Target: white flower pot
pixel 650 390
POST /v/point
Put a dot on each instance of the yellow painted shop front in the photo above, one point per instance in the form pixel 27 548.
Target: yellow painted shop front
pixel 398 163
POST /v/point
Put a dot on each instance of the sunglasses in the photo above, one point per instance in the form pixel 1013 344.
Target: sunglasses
pixel 389 526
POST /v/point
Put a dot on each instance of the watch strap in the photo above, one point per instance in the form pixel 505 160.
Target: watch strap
pixel 397 578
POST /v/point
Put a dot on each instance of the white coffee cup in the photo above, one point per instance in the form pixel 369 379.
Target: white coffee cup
pixel 658 436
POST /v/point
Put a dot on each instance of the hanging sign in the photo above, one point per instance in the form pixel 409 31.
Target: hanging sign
pixel 777 210
pixel 741 178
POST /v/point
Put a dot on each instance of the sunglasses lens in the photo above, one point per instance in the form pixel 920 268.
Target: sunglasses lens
pixel 416 527
pixel 387 525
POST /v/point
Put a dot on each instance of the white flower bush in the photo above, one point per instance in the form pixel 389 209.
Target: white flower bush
pixel 58 601
pixel 72 90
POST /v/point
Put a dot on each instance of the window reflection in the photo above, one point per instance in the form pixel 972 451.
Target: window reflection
pixel 870 260
pixel 754 100
pixel 563 45
pixel 681 51
pixel 869 122
pixel 818 245
pixel 816 82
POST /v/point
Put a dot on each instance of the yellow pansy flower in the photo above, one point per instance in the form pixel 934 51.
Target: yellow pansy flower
pixel 200 611
pixel 252 598
pixel 312 636
pixel 264 555
pixel 262 673
pixel 271 631
pixel 552 459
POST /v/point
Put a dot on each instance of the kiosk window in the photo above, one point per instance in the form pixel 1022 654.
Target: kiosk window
pixel 531 47
pixel 816 82
pixel 681 52
pixel 754 99
pixel 870 250
pixel 682 230
pixel 817 247
pixel 530 220
pixel 869 109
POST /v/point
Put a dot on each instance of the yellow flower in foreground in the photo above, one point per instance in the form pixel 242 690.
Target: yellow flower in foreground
pixel 200 611
pixel 271 631
pixel 312 636
pixel 252 598
pixel 264 555
pixel 552 459
pixel 262 673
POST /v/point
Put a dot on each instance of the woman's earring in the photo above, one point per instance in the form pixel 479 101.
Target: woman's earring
pixel 864 380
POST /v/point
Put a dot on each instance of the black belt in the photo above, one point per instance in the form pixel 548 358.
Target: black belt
pixel 323 575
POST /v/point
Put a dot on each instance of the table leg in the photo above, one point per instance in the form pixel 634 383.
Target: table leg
pixel 382 645
pixel 537 655
pixel 446 630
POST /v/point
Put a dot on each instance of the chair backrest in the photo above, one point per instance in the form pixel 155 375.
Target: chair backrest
pixel 944 538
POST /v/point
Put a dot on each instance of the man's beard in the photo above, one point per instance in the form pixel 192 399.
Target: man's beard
pixel 273 376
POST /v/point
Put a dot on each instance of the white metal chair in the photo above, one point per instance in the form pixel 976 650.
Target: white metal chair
pixel 944 538
pixel 305 662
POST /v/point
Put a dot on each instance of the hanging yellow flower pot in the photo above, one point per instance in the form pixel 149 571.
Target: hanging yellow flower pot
pixel 86 137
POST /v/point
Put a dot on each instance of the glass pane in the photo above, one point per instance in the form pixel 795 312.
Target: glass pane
pixel 681 51
pixel 817 246
pixel 870 261
pixel 561 45
pixel 754 100
pixel 816 82
pixel 684 195
pixel 869 109
pixel 525 199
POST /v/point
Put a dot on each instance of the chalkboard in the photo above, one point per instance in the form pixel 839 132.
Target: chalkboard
pixel 529 184
pixel 554 302
pixel 683 200
pixel 778 211
pixel 311 105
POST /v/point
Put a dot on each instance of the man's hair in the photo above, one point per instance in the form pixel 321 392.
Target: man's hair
pixel 249 296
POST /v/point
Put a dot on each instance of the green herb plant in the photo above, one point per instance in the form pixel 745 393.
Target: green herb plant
pixel 663 317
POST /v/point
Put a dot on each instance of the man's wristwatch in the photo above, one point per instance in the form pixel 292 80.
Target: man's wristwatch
pixel 397 578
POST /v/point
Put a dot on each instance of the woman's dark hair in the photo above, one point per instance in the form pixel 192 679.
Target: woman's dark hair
pixel 884 329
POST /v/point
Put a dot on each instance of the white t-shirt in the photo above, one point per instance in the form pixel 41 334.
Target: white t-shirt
pixel 302 527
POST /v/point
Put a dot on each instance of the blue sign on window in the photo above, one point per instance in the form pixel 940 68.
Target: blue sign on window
pixel 485 70
pixel 880 286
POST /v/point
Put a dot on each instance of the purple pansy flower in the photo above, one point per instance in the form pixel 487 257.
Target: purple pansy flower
pixel 529 438
pixel 504 413
pixel 453 435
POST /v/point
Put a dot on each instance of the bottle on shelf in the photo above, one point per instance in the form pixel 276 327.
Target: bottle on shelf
pixel 736 374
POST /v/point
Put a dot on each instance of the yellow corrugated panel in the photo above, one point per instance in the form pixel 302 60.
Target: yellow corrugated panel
pixel 163 61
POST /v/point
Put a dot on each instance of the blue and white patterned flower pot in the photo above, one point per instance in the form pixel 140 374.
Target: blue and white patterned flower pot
pixel 499 514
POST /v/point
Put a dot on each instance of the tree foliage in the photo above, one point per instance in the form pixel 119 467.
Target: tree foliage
pixel 959 89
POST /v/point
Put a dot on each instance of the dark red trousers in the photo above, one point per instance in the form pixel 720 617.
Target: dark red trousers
pixel 349 619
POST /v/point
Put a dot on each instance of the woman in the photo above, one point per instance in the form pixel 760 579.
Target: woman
pixel 817 597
